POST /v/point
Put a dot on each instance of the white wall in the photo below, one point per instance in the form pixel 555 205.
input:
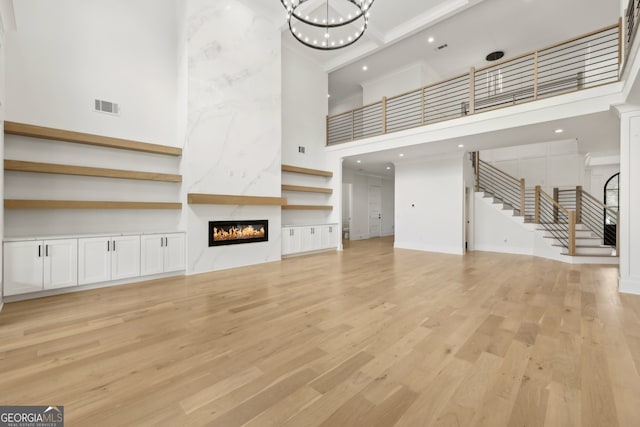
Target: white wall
pixel 430 204
pixel 68 52
pixel 2 112
pixel 304 110
pixel 59 59
pixel 347 104
pixel 234 136
pixel 395 83
pixel 548 164
pixel 629 202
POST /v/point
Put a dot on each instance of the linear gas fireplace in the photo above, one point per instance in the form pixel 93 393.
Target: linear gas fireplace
pixel 236 232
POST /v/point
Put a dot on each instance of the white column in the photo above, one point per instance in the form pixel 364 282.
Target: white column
pixel 630 201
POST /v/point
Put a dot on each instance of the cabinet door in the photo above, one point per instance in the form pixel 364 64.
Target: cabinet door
pixel 296 239
pixel 311 238
pixel 22 267
pixel 125 257
pixel 151 254
pixel 329 234
pixel 60 263
pixel 94 260
pixel 286 240
pixel 174 252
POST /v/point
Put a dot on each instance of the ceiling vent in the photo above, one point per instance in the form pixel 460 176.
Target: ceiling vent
pixel 106 107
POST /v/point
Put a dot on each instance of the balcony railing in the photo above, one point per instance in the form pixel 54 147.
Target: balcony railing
pixel 583 62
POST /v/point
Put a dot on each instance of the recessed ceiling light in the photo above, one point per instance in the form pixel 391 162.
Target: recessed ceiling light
pixel 328 95
pixel 401 154
pixel 358 161
pixel 388 168
pixel 460 145
pixel 559 130
pixel 365 68
pixel 431 39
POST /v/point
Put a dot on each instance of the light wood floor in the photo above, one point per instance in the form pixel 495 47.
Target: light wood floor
pixel 368 337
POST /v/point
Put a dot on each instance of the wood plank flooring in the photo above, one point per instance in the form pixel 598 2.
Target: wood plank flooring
pixel 371 336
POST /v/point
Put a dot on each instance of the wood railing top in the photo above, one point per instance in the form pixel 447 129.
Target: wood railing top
pixel 22 129
pixel 499 170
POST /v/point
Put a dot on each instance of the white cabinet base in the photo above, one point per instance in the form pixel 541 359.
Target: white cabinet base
pixel 305 239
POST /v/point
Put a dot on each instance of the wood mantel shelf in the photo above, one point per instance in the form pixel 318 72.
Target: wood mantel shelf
pixel 86 204
pixel 296 169
pixel 22 129
pixel 36 167
pixel 308 207
pixel 286 187
pixel 226 199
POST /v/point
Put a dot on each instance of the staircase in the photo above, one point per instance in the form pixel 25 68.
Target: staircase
pixel 569 227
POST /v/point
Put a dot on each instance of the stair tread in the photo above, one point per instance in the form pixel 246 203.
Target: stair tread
pixel 587 246
pixel 595 256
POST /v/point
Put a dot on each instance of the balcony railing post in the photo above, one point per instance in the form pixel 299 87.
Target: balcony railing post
pixel 572 233
pixel 619 46
pixel 353 125
pixel 579 204
pixel 535 75
pixel 472 90
pixel 327 129
pixel 537 206
pixel 422 91
pixel 477 171
pixel 556 194
pixel 384 114
pixel 522 200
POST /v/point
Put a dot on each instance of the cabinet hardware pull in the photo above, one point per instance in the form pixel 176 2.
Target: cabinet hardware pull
pixel 39 251
pixel 166 242
pixel 114 245
pixel 161 242
pixel 108 246
pixel 46 250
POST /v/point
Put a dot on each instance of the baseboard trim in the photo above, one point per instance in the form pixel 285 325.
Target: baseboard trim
pixel 503 249
pixel 629 286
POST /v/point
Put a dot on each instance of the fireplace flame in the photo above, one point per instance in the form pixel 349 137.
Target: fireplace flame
pixel 237 233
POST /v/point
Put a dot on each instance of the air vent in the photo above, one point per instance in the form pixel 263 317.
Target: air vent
pixel 301 149
pixel 106 107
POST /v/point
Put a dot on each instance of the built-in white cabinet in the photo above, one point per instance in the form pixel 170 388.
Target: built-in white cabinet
pixel 162 253
pixel 39 265
pixel 33 265
pixel 308 238
pixel 102 259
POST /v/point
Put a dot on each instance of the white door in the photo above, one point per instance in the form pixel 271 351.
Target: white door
pixel 22 267
pixel 151 254
pixel 174 252
pixel 94 260
pixel 347 208
pixel 60 263
pixel 375 207
pixel 125 257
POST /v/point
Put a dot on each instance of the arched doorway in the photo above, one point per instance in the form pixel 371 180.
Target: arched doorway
pixel 612 200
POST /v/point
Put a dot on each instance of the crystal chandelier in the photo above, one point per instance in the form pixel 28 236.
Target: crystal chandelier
pixel 324 28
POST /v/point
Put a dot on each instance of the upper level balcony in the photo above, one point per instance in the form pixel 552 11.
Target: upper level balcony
pixel 581 63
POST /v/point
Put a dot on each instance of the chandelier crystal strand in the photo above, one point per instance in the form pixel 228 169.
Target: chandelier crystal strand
pixel 327 32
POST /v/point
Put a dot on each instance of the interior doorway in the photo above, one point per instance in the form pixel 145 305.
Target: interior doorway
pixel 375 207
